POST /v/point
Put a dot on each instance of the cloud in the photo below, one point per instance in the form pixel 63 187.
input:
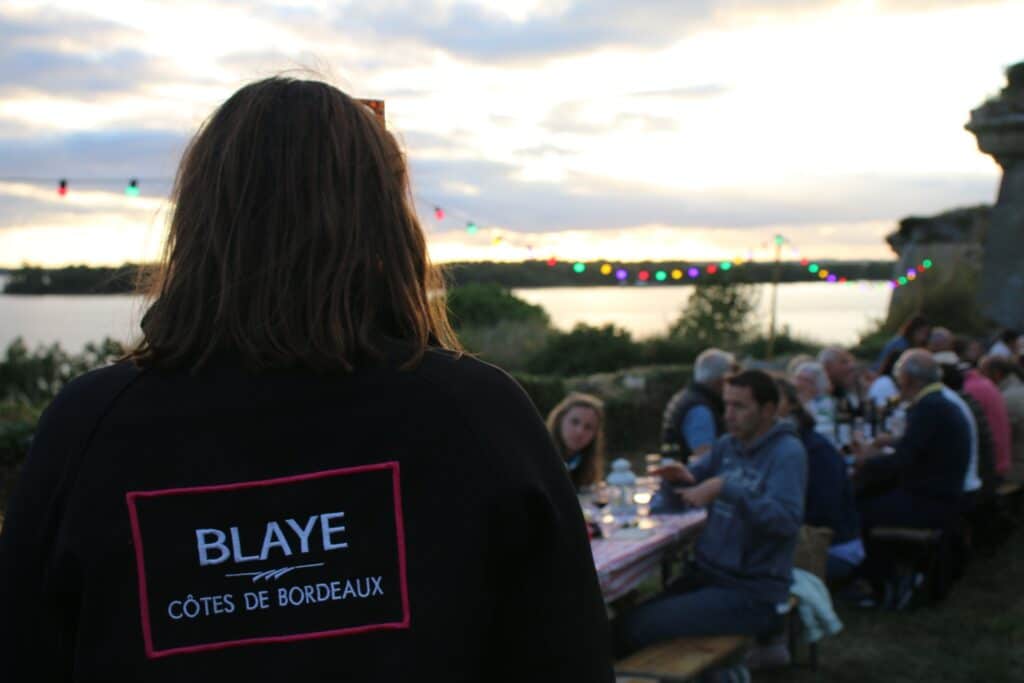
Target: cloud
pixel 691 92
pixel 50 27
pixel 110 155
pixel 78 75
pixel 571 117
pixel 478 34
pixel 59 54
pixel 587 202
pixel 37 204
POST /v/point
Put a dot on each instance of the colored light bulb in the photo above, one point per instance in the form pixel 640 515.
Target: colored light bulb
pixel 471 228
pixel 693 273
pixel 677 274
pixel 661 276
pixel 621 274
pixel 644 276
pixel 62 187
pixel 578 267
pixel 439 213
pixel 132 189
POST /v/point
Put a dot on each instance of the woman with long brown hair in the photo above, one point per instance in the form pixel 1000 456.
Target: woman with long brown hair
pixel 576 426
pixel 296 474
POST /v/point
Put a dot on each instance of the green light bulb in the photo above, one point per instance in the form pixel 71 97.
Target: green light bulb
pixel 579 267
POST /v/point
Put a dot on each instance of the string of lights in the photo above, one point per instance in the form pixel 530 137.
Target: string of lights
pixel 621 273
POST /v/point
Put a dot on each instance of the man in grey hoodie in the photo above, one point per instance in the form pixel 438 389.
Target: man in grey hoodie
pixel 752 483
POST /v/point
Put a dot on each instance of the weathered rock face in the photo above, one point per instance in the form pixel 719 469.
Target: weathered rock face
pixel 953 241
pixel 998 125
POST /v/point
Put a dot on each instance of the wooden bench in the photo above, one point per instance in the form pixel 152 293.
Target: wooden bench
pixel 923 550
pixel 682 659
pixel 1010 494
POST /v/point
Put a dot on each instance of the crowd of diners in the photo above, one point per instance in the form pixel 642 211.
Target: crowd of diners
pixel 921 437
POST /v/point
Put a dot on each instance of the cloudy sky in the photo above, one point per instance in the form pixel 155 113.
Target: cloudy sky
pixel 601 129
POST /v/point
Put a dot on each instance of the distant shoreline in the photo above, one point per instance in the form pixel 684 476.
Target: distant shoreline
pixel 85 280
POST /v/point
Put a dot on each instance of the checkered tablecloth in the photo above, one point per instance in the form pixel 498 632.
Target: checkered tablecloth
pixel 624 561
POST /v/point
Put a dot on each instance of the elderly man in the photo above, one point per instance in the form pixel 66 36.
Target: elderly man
pixel 814 389
pixel 841 369
pixel 941 339
pixel 926 473
pixel 692 420
pixel 753 483
pixel 1006 374
pixel 930 461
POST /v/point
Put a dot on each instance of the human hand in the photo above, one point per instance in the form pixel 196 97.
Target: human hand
pixel 675 472
pixel 703 494
pixel 884 439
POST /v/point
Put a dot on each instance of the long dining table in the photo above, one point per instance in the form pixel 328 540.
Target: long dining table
pixel 628 556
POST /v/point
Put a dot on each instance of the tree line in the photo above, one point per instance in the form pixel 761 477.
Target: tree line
pixel 122 279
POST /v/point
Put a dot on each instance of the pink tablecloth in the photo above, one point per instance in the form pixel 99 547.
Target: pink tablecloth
pixel 624 562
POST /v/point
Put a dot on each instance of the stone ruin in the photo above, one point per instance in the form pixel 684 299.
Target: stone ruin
pixel 998 125
pixel 980 247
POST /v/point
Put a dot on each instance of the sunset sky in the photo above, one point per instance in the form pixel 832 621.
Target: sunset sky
pixel 607 129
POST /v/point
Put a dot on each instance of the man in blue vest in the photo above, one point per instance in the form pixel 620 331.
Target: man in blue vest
pixel 692 420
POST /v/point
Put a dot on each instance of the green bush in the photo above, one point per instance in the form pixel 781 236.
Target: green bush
pixel 544 391
pixel 36 376
pixel 717 315
pixel 507 344
pixel 478 305
pixel 670 350
pixel 785 345
pixel 584 350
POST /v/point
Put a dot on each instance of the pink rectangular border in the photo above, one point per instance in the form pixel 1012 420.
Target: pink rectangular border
pixel 147 635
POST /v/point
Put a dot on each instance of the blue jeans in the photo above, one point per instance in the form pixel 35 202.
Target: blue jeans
pixel 839 570
pixel 691 607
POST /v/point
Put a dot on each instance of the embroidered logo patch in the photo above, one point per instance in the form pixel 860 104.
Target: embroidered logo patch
pixel 309 556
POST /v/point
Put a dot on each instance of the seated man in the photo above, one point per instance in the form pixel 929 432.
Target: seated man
pixel 841 368
pixel 928 469
pixel 692 420
pixel 753 483
pixel 815 391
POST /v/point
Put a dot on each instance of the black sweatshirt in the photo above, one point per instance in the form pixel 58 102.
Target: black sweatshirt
pixel 383 525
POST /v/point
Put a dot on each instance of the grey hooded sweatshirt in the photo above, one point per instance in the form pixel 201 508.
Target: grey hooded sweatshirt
pixel 751 532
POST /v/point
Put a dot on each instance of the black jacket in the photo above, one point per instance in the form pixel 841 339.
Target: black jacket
pixel 932 457
pixel 383 525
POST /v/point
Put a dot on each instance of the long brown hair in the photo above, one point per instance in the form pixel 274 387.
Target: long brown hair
pixel 293 241
pixel 591 469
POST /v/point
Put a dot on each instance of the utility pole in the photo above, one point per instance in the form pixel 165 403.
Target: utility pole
pixel 775 296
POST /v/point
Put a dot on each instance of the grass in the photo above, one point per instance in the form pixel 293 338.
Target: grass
pixel 975 634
